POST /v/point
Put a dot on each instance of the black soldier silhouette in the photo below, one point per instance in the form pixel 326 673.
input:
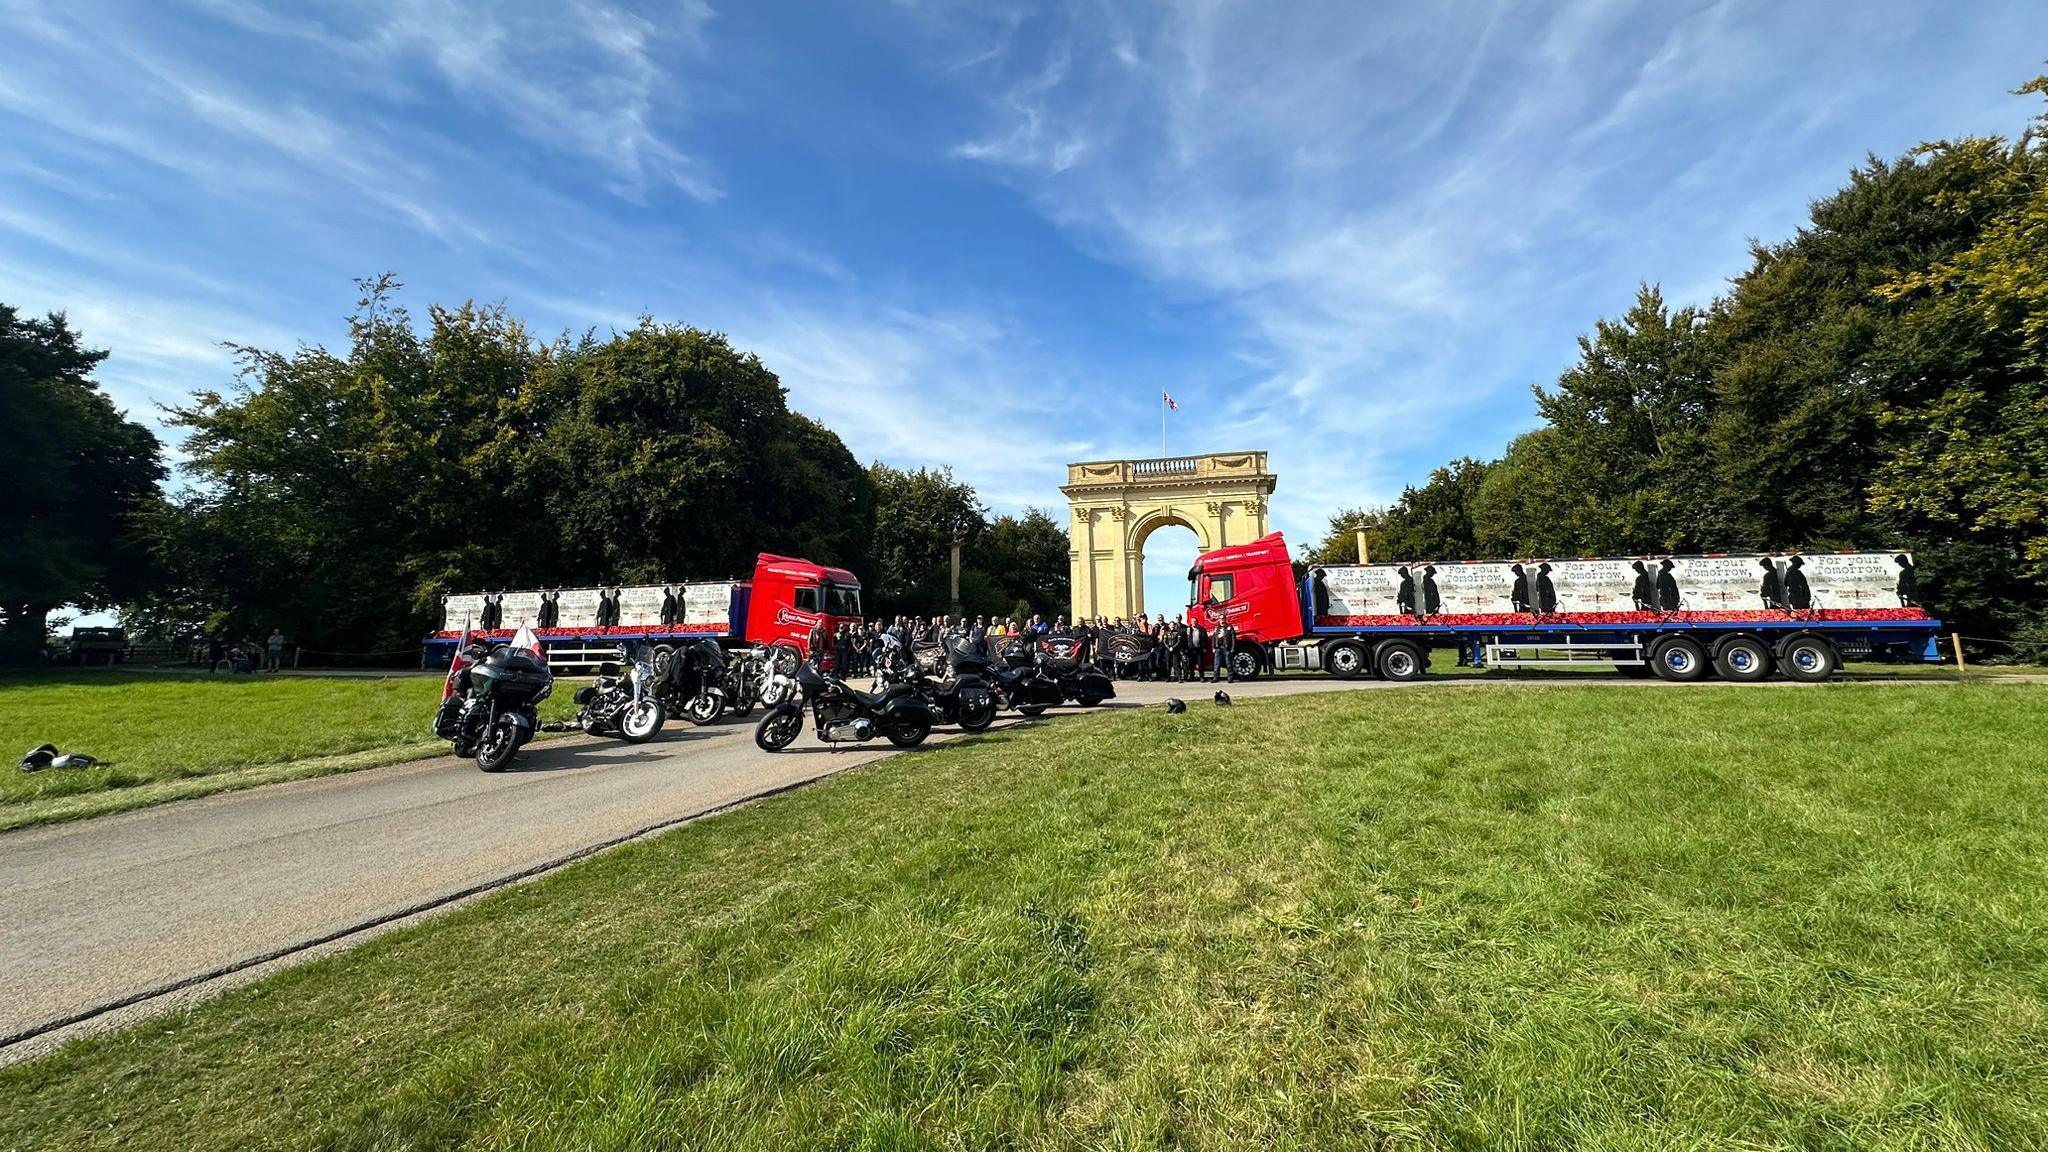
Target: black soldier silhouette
pixel 1404 595
pixel 1432 601
pixel 1772 591
pixel 1320 592
pixel 1798 593
pixel 1518 594
pixel 1909 581
pixel 1667 587
pixel 1644 594
pixel 1546 592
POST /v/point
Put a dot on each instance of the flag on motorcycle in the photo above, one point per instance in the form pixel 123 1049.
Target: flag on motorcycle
pixel 525 638
pixel 458 663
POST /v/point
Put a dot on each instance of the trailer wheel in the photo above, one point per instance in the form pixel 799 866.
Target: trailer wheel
pixel 1345 659
pixel 1743 659
pixel 1679 660
pixel 1399 660
pixel 1809 658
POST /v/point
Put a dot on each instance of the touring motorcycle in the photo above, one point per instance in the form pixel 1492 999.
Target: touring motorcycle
pixel 1059 658
pixel 964 697
pixel 623 702
pixel 694 686
pixel 496 708
pixel 841 714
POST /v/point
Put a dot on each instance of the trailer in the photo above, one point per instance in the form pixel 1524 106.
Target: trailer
pixel 583 627
pixel 1738 616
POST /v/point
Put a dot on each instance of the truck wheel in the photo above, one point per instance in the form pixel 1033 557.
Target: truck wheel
pixel 1679 660
pixel 1345 660
pixel 1398 660
pixel 1245 662
pixel 1743 659
pixel 1809 658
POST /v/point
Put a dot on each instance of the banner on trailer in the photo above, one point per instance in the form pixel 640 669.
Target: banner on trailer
pixel 457 611
pixel 1705 589
pixel 640 606
pixel 516 608
pixel 576 608
pixel 707 608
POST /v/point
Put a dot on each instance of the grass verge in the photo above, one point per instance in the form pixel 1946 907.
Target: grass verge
pixel 163 737
pixel 1511 918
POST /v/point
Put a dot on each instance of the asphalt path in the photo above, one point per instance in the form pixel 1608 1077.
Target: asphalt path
pixel 106 921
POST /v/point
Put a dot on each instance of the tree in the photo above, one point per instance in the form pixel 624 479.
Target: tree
pixel 78 475
pixel 918 514
pixel 1026 556
pixel 1967 382
pixel 338 496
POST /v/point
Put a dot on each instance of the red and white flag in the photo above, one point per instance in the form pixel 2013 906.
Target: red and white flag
pixel 524 638
pixel 1168 397
pixel 456 665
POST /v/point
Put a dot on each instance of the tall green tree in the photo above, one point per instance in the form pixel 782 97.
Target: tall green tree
pixel 918 515
pixel 78 476
pixel 339 495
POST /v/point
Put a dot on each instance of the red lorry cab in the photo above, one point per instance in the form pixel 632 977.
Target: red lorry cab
pixel 791 596
pixel 1250 586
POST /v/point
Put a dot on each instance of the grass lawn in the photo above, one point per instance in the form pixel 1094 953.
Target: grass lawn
pixel 167 736
pixel 1513 917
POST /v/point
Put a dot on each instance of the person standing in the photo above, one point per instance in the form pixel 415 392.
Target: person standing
pixel 1198 643
pixel 842 651
pixel 273 651
pixel 815 642
pixel 1226 645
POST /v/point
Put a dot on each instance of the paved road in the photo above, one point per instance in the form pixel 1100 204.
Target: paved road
pixel 132 906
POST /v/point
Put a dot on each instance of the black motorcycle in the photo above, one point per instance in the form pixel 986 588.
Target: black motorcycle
pixel 496 709
pixel 693 687
pixel 1022 682
pixel 745 672
pixel 1059 658
pixel 843 715
pixel 964 697
pixel 622 702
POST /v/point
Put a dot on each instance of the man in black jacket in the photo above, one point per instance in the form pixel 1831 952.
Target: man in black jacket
pixel 1226 643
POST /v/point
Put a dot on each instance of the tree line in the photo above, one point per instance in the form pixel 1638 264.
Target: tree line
pixel 1874 381
pixel 338 495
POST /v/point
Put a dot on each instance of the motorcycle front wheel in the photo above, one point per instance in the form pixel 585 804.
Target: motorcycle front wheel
pixel 641 721
pixel 704 707
pixel 778 728
pixel 909 731
pixel 499 744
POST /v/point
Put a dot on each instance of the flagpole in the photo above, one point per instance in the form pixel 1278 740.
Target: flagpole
pixel 1162 422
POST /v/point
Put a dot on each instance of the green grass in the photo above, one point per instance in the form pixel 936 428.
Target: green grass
pixel 1538 917
pixel 166 736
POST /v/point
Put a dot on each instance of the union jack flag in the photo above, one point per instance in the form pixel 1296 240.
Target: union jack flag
pixel 1168 397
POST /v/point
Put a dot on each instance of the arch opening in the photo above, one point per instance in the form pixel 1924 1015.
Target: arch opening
pixel 1163 549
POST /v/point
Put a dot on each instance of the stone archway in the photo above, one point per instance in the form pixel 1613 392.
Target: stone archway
pixel 1114 505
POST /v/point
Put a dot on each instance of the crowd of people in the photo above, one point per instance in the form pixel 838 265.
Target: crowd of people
pixel 1174 649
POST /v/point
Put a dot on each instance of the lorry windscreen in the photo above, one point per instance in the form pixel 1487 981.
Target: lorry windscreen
pixel 842 600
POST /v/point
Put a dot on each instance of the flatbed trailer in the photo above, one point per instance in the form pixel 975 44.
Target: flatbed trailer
pixel 583 627
pixel 1385 620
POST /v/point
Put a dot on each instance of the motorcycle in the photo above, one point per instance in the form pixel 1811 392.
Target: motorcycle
pixel 1022 682
pixel 1059 657
pixel 623 703
pixel 744 678
pixel 694 685
pixel 843 715
pixel 963 698
pixel 498 708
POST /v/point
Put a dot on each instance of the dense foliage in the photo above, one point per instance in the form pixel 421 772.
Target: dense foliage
pixel 339 495
pixel 77 474
pixel 1874 381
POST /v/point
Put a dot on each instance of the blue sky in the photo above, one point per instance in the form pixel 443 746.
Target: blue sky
pixel 984 235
